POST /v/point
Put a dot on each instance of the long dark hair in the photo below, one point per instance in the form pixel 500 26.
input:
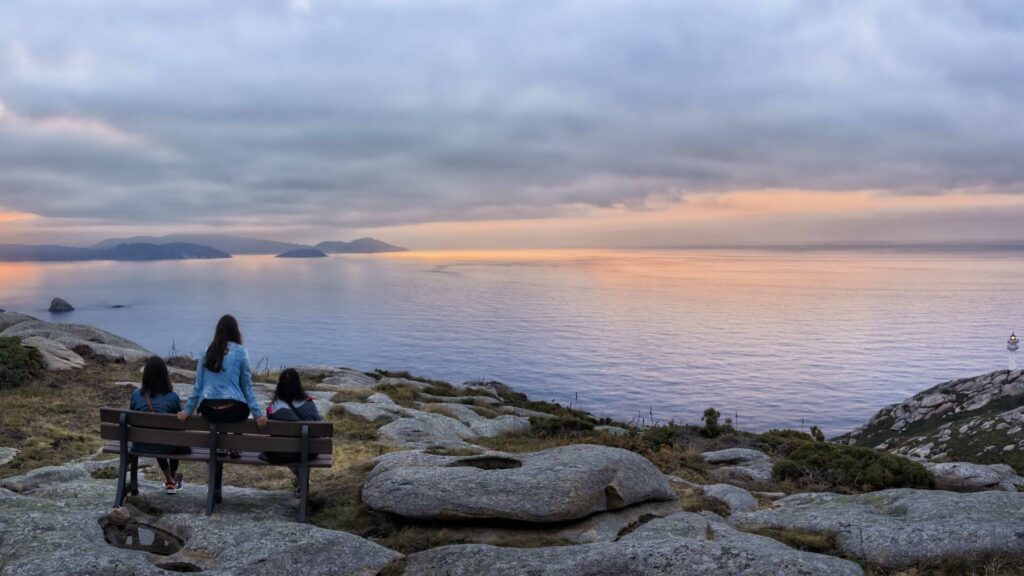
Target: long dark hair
pixel 227 331
pixel 289 386
pixel 155 379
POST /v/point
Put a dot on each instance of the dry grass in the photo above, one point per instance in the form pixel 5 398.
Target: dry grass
pixel 57 420
pixel 351 395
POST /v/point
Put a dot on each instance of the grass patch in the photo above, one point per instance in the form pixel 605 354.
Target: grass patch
pixel 819 543
pixel 56 419
pixel 351 395
pixel 406 396
pixel 349 427
pixel 484 411
pixel 694 500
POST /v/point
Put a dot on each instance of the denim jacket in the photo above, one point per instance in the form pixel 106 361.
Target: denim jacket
pixel 233 382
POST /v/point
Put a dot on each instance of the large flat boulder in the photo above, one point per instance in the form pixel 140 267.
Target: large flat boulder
pixel 556 485
pixel 742 465
pixel 684 544
pixel 899 528
pixel 965 477
pixel 734 498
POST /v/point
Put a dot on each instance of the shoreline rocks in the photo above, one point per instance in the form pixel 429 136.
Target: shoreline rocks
pixel 77 338
pixel 58 305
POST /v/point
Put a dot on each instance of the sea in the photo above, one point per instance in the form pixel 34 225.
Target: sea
pixel 771 339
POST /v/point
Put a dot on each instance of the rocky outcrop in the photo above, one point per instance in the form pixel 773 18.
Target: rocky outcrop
pixel 347 378
pixel 741 465
pixel 73 337
pixel 60 305
pixel 967 477
pixel 55 355
pixel 977 419
pixel 556 485
pixel 7 454
pixel 734 498
pixel 426 430
pixel 55 528
pixel 683 544
pixel 899 528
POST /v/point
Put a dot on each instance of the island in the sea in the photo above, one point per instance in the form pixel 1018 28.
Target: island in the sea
pixel 135 251
pixel 303 253
pixel 186 247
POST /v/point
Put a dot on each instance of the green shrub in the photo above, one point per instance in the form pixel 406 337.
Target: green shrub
pixel 817 434
pixel 558 425
pixel 850 468
pixel 18 364
pixel 710 419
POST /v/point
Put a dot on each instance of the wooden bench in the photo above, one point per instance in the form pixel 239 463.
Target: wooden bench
pixel 311 441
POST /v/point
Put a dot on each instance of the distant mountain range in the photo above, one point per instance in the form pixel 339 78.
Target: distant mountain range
pixel 243 245
pixel 360 246
pixel 134 251
pixel 181 247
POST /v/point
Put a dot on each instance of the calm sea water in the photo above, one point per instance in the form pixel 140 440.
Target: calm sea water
pixel 779 339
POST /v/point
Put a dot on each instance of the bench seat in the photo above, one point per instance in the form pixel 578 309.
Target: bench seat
pixel 203 455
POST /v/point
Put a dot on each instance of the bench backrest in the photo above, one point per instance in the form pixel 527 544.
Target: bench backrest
pixel 150 428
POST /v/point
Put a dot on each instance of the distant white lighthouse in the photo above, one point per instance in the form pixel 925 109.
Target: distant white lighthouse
pixel 1011 347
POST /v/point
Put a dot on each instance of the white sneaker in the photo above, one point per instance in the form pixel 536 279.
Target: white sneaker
pixel 170 487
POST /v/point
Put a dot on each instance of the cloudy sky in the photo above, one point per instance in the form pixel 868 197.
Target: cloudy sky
pixel 471 123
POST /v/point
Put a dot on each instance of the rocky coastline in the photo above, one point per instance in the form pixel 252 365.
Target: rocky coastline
pixel 475 478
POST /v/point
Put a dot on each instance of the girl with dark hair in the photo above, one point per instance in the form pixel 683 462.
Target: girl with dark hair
pixel 223 391
pixel 157 395
pixel 290 404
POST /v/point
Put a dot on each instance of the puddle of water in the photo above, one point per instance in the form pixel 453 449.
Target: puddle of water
pixel 180 567
pixel 489 463
pixel 136 536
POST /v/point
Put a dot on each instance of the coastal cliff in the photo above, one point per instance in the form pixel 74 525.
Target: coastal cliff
pixel 432 477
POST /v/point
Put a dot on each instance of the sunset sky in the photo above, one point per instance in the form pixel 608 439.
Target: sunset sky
pixel 526 123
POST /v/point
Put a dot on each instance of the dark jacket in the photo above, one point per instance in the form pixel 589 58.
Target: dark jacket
pixel 303 410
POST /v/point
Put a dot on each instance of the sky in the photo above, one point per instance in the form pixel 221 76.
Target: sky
pixel 526 123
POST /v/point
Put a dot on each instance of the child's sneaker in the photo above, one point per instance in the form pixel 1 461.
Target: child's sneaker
pixel 179 481
pixel 170 487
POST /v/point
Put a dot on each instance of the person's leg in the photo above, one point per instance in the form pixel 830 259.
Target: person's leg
pixel 165 468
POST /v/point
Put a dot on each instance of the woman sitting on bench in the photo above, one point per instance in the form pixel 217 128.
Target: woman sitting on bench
pixel 157 395
pixel 223 391
pixel 290 404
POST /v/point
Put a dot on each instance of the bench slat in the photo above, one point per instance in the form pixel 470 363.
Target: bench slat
pixel 196 422
pixel 203 455
pixel 195 439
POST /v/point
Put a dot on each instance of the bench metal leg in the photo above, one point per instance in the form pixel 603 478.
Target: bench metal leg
pixel 211 481
pixel 304 475
pixel 133 485
pixel 122 469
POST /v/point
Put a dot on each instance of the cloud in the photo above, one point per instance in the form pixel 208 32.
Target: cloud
pixel 384 113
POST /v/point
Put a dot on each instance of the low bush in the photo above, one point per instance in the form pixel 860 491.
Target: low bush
pixel 850 468
pixel 558 425
pixel 18 365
